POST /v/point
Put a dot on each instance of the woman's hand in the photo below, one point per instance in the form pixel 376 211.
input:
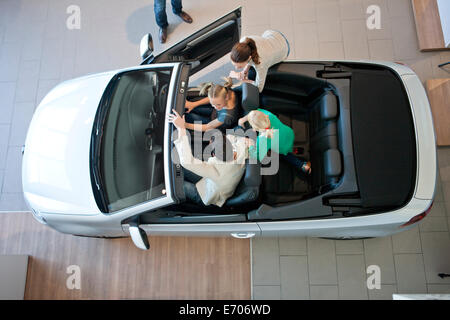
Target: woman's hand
pixel 238 75
pixel 189 105
pixel 177 120
pixel 234 75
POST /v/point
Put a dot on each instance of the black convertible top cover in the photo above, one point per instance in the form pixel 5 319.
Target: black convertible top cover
pixel 383 138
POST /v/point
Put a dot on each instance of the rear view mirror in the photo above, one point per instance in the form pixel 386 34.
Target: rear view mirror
pixel 139 237
pixel 146 46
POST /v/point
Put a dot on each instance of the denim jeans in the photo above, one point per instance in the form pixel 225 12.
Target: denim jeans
pixel 201 113
pixel 190 190
pixel 294 160
pixel 251 74
pixel 160 11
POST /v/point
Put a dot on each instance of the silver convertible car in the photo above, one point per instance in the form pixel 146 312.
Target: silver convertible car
pixel 97 159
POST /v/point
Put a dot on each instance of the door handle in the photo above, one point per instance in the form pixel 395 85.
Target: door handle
pixel 243 235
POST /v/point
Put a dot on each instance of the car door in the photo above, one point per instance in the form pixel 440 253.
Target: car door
pixel 171 222
pixel 240 230
pixel 206 45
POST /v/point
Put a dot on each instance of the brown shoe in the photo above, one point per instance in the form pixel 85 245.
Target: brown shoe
pixel 162 35
pixel 186 18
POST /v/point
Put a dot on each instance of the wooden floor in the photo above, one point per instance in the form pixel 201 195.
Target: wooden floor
pixel 174 268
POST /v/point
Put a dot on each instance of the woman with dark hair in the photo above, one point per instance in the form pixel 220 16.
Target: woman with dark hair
pixel 259 52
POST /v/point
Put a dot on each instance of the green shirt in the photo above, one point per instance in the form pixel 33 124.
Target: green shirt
pixel 282 141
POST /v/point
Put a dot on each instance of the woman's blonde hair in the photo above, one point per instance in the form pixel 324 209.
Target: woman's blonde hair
pixel 216 90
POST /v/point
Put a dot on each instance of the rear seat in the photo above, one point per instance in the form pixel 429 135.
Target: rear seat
pixel 324 152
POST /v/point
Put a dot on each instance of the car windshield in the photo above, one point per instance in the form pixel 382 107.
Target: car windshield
pixel 128 167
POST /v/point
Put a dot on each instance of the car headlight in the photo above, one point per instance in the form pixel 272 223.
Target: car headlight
pixel 37 215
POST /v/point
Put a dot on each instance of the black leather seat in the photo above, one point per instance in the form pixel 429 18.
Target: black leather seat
pixel 289 184
pixel 278 105
pixel 250 97
pixel 324 141
pixel 247 190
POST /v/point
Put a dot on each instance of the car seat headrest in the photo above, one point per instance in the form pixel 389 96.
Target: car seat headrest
pixel 328 106
pixel 250 97
pixel 332 163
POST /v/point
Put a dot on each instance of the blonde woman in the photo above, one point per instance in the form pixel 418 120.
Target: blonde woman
pixel 223 99
pixel 273 134
pixel 258 54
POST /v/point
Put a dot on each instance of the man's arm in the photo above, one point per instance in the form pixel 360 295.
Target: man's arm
pixel 183 146
pixel 187 160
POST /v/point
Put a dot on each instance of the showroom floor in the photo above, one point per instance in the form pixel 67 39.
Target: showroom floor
pixel 37 51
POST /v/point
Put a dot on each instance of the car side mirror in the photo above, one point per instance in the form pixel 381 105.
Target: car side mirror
pixel 139 236
pixel 146 46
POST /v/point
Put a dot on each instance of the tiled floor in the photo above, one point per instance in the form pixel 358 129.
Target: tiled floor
pixel 37 51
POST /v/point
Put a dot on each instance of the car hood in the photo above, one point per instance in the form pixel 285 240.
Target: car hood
pixel 56 167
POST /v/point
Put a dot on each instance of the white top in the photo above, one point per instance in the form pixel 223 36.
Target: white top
pixel 272 48
pixel 220 179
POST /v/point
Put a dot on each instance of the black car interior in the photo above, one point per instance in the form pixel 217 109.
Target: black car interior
pixel 309 106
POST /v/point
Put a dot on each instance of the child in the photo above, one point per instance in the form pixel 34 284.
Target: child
pixel 222 98
pixel 273 134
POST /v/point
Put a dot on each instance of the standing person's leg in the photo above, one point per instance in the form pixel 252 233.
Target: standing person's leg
pixel 161 19
pixel 177 8
pixel 160 13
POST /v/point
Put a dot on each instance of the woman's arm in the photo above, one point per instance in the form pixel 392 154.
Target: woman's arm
pixel 183 146
pixel 187 160
pixel 249 81
pixel 260 80
pixel 204 127
pixel 190 105
pixel 242 75
pixel 242 121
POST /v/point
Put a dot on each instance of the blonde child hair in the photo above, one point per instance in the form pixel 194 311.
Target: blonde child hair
pixel 216 90
pixel 260 122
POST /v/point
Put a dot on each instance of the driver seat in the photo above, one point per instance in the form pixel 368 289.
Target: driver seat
pixel 247 191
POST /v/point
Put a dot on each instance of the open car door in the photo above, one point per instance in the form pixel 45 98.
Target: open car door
pixel 206 45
